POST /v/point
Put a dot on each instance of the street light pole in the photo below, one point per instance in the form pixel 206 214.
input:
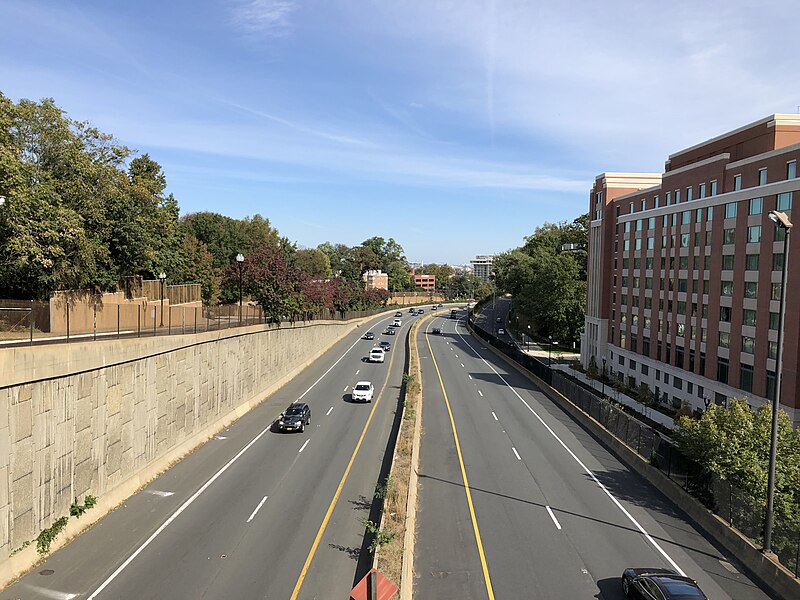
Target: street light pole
pixel 603 379
pixel 781 221
pixel 549 349
pixel 240 262
pixel 162 277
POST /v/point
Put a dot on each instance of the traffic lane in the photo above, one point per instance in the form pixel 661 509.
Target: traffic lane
pixel 85 561
pixel 268 553
pixel 339 562
pixel 526 553
pixel 668 527
pixel 446 560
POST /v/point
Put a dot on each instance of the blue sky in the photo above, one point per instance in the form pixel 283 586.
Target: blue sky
pixel 454 126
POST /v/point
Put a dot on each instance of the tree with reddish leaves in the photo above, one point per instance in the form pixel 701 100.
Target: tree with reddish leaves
pixel 271 280
pixel 318 294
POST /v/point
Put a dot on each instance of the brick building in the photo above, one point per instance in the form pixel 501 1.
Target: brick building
pixel 684 274
pixel 426 282
pixel 375 280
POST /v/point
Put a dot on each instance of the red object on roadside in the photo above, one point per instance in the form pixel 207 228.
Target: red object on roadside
pixel 386 589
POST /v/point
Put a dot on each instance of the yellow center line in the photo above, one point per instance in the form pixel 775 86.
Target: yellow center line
pixel 485 567
pixel 328 514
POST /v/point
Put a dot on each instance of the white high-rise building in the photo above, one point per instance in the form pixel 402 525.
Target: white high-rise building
pixel 482 266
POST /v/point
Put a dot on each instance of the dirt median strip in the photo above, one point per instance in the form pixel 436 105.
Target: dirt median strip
pixel 395 558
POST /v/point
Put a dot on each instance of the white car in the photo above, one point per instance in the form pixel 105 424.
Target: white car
pixel 397 323
pixel 376 355
pixel 362 392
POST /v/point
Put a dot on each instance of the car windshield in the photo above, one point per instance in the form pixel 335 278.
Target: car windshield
pixel 294 412
pixel 362 388
pixel 680 589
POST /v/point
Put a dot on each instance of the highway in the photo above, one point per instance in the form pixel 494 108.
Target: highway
pixel 516 500
pixel 252 513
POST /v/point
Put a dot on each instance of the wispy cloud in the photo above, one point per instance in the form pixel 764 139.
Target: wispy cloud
pixel 263 18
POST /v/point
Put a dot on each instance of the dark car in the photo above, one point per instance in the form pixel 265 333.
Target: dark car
pixel 420 311
pixel 389 331
pixel 666 584
pixel 398 314
pixel 294 418
pixel 499 320
pixel 385 345
pixel 368 336
pixel 436 331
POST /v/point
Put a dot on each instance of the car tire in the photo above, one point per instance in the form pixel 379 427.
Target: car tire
pixel 302 428
pixel 625 588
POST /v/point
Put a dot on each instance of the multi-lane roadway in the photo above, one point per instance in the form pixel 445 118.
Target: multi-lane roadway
pixel 518 501
pixel 253 513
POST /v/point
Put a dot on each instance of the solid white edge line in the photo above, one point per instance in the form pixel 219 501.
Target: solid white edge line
pixel 303 447
pixel 330 410
pixel 494 415
pixel 260 504
pixel 175 515
pixel 516 453
pixel 588 471
pixel 552 516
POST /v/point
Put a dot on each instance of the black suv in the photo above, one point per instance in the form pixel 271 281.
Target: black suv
pixel 649 584
pixel 294 418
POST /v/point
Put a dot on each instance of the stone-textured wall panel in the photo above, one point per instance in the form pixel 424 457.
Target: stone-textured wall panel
pixel 111 413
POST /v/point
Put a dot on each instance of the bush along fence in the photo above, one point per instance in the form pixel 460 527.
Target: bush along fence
pixel 740 510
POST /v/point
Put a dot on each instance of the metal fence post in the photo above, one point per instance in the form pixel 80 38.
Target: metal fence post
pixel 195 319
pixel 118 309
pixel 31 322
pixel 154 321
pixel 138 320
pixel 68 320
pixel 169 320
pixel 94 319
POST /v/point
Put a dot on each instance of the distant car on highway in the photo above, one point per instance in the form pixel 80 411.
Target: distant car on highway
pixel 398 314
pixel 389 331
pixel 498 320
pixel 501 331
pixel 362 392
pixel 436 331
pixel 420 311
pixel 368 336
pixel 397 323
pixel 295 418
pixel 412 310
pixel 386 346
pixel 376 355
pixel 652 584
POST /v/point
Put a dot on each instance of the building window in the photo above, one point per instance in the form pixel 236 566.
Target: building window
pixel 724 339
pixel 627 226
pixel 686 217
pixel 748 344
pixel 754 234
pixel 772 350
pixel 756 206
pixel 730 210
pixel 762 176
pixel 702 363
pixel 708 238
pixel 689 194
pixel 785 201
pixel 638 243
pixel 648 283
pixel 685 240
pixel 677 383
pixel 714 188
pixel 683 263
pixel 771 379
pixel 645 370
pixel 728 236
pixel 746 378
pixel 651 223
pixel 791 169
pixel 773 320
pixel 651 243
pixel 705 286
pixel 737 182
pixel 682 285
pixel 777 261
pixel 702 190
pixel 751 289
pixel 727 288
pixel 749 317
pixel 691 364
pixel 722 370
pixel 725 314
pixel 639 224
pixel 709 213
pixel 727 262
pixel 626 246
pixel 776 291
pixel 751 263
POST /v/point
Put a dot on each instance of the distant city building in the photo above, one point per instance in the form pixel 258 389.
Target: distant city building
pixel 685 268
pixel 426 282
pixel 461 269
pixel 482 266
pixel 375 280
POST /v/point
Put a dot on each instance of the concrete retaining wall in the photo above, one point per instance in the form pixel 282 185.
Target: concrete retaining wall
pixel 102 418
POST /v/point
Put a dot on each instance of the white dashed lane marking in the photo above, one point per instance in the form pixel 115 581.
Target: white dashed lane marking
pixel 260 504
pixel 330 410
pixel 552 516
pixel 494 415
pixel 480 393
pixel 516 453
pixel 303 447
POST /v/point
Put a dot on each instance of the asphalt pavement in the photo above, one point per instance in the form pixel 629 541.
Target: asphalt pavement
pixel 252 513
pixel 526 504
